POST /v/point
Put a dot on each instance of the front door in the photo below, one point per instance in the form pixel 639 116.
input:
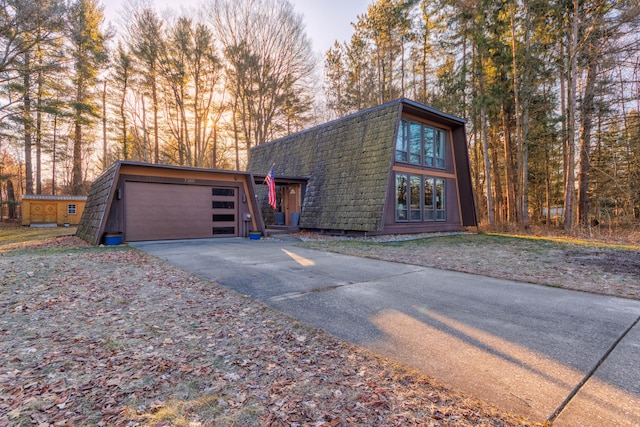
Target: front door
pixel 291 201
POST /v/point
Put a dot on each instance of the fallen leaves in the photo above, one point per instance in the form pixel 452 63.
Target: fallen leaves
pixel 118 338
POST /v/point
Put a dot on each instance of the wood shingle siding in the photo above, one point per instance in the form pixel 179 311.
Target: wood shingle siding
pixel 98 201
pixel 351 168
pixel 348 162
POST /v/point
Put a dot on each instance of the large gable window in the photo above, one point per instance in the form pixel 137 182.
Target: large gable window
pixel 415 143
pixel 420 198
pixel 420 144
pixel 402 149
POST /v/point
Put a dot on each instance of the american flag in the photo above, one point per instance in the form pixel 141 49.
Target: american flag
pixel 271 183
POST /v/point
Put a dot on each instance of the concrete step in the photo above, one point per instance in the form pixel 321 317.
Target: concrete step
pixel 281 229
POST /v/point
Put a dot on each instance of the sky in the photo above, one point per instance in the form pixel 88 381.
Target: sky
pixel 325 20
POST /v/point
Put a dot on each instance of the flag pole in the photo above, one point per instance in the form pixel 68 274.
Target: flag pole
pixel 265 177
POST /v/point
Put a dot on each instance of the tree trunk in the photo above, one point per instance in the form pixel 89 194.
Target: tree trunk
pixel 547 177
pixel 156 143
pixel 214 151
pixel 236 135
pixel 123 117
pixel 104 125
pixel 53 154
pixel 525 166
pixel 499 198
pixel 571 122
pixel 510 177
pixel 76 186
pixel 487 165
pixel 28 126
pixel 11 198
pixel 585 141
pixel 39 128
pixel 516 100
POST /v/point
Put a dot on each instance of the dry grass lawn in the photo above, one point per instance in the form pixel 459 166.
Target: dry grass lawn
pixel 114 337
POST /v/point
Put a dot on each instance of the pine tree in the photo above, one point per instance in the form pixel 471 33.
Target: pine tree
pixel 88 50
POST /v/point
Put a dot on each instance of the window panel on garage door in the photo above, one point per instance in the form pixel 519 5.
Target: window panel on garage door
pixel 224 207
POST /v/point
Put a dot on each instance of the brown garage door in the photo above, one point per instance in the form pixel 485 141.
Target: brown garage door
pixel 170 211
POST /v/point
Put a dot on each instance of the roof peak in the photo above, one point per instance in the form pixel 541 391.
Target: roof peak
pixel 399 101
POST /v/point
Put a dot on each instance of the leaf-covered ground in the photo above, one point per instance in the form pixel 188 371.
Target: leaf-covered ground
pixel 113 337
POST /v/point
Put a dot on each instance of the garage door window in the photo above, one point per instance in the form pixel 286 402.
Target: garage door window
pixel 224 218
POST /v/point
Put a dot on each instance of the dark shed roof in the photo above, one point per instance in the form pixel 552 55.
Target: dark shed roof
pixel 349 162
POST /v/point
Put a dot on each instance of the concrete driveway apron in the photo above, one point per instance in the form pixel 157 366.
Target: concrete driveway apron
pixel 540 352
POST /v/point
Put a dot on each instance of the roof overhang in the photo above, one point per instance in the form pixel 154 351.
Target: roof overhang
pixel 53 198
pixel 161 167
pixel 417 109
pixel 282 179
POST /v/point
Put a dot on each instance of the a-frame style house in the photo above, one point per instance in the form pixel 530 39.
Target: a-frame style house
pixel 401 167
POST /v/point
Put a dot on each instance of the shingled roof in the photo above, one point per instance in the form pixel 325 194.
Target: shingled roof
pixel 348 162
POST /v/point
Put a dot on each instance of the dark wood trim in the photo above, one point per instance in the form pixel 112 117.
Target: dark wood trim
pixel 421 227
pixel 425 121
pixel 425 172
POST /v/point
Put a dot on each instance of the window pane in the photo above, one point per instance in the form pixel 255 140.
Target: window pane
pixel 428 146
pixel 222 205
pixel 402 142
pixel 224 217
pixel 429 214
pixel 440 201
pixel 415 139
pixel 401 198
pixel 416 210
pixel 439 146
pixel 439 193
pixel 221 231
pixel 225 191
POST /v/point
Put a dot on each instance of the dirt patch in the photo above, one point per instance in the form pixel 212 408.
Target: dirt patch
pixel 113 337
pixel 619 262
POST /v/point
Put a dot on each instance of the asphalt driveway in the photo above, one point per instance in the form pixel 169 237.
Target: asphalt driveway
pixel 540 352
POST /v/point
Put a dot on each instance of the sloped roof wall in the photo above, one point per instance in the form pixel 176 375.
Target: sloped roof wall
pixel 90 225
pixel 347 162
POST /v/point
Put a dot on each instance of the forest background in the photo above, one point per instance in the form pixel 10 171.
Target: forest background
pixel 551 90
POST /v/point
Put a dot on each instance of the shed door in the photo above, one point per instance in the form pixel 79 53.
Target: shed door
pixel 171 211
pixel 44 213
